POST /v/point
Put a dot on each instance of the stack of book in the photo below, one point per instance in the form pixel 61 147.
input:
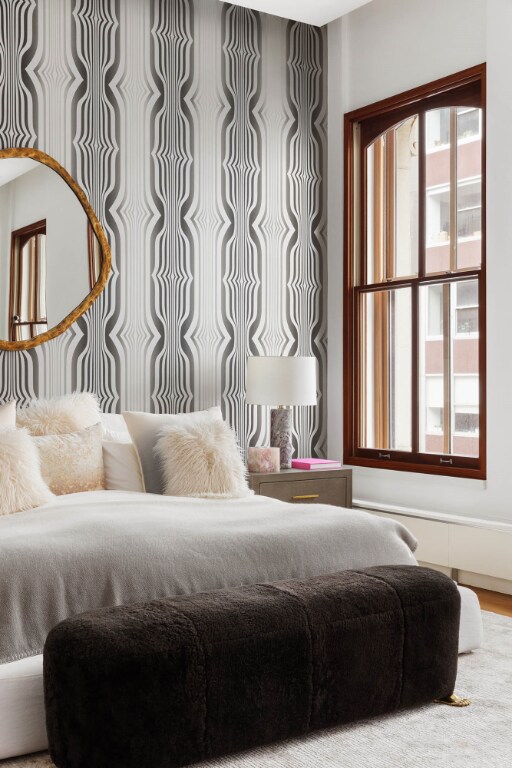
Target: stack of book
pixel 315 464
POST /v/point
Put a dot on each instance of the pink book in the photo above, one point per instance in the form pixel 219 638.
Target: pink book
pixel 315 464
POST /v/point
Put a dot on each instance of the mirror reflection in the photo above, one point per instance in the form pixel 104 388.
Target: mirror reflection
pixel 50 257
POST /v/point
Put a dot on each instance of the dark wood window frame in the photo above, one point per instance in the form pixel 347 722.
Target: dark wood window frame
pixel 463 88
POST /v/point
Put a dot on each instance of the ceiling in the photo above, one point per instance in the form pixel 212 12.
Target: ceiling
pixel 12 167
pixel 317 12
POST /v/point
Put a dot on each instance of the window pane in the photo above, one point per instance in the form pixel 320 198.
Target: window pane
pixel 453 173
pixel 466 313
pixel 467 294
pixel 26 286
pixel 469 188
pixel 435 310
pixel 41 286
pixel 406 199
pixel 449 369
pixel 468 123
pixel 386 365
pixel 437 129
pixel 466 423
pixel 437 198
pixel 392 203
pixel 467 321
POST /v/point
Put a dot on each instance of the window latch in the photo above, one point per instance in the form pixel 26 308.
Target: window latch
pixel 384 455
pixel 445 461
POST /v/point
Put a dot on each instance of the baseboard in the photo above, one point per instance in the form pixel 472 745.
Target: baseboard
pixel 469 579
pixel 485 582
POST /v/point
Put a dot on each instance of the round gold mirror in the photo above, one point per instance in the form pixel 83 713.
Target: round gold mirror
pixel 54 255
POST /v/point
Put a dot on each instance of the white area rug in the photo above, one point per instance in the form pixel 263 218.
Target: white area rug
pixel 434 736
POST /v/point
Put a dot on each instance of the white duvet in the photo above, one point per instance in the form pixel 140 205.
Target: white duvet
pixel 103 548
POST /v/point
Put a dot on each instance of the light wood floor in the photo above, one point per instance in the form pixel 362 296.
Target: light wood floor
pixel 494 601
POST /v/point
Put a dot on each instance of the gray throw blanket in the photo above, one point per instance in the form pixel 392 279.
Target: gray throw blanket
pixel 105 548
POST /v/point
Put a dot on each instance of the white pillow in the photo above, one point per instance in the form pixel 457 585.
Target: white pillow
pixel 122 468
pixel 114 428
pixel 60 415
pixel 74 462
pixel 202 459
pixel 8 415
pixel 145 430
pixel 22 486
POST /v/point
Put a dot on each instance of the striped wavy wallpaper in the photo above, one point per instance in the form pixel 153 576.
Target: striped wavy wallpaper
pixel 198 131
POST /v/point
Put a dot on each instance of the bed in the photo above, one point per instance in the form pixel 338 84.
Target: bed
pixel 89 550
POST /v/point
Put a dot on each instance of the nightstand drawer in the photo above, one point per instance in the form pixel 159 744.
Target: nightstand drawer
pixel 315 491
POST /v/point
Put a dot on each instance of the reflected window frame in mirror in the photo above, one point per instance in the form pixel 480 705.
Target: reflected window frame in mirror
pixel 30 294
pixel 27 289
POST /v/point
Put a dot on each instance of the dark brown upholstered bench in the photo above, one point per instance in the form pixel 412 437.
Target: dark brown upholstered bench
pixel 179 680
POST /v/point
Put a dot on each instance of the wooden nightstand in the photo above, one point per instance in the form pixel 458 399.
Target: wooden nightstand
pixel 325 486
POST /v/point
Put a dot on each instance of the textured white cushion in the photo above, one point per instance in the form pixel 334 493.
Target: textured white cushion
pixel 114 428
pixel 73 462
pixel 21 483
pixel 145 430
pixel 60 415
pixel 22 725
pixel 202 458
pixel 471 627
pixel 122 468
pixel 8 415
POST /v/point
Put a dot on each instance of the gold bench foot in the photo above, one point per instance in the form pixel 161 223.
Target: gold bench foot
pixel 454 701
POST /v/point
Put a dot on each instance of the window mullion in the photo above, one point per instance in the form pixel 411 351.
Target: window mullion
pixel 390 207
pixel 447 371
pixel 415 369
pixel 415 359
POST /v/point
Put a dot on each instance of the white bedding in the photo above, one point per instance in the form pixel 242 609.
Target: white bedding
pixel 91 550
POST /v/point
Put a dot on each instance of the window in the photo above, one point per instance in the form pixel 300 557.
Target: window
pixel 414 314
pixel 27 314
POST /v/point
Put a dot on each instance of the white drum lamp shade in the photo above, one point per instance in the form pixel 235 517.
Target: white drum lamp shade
pixel 282 381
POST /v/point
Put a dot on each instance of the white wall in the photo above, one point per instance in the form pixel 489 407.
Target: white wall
pixel 377 51
pixel 42 194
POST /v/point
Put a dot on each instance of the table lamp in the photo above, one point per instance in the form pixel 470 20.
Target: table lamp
pixel 281 381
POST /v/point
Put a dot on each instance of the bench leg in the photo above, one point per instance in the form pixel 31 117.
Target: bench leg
pixel 454 701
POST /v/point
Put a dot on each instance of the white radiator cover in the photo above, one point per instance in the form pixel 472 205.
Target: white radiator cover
pixel 479 549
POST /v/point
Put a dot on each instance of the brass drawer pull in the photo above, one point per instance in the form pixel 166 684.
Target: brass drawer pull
pixel 306 497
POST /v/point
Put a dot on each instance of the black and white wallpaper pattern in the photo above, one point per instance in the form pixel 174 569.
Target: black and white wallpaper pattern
pixel 198 131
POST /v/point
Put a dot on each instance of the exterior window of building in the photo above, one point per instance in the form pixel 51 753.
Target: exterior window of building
pixel 414 313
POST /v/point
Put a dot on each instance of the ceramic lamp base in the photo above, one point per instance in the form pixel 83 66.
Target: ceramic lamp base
pixel 281 434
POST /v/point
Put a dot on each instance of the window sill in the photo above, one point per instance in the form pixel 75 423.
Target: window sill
pixel 471 473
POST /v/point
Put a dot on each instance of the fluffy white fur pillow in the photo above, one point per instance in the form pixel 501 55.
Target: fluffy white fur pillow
pixel 22 486
pixel 202 459
pixel 60 415
pixel 146 428
pixel 8 415
pixel 72 463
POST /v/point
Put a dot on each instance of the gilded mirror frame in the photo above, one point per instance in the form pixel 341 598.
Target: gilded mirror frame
pixel 72 317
